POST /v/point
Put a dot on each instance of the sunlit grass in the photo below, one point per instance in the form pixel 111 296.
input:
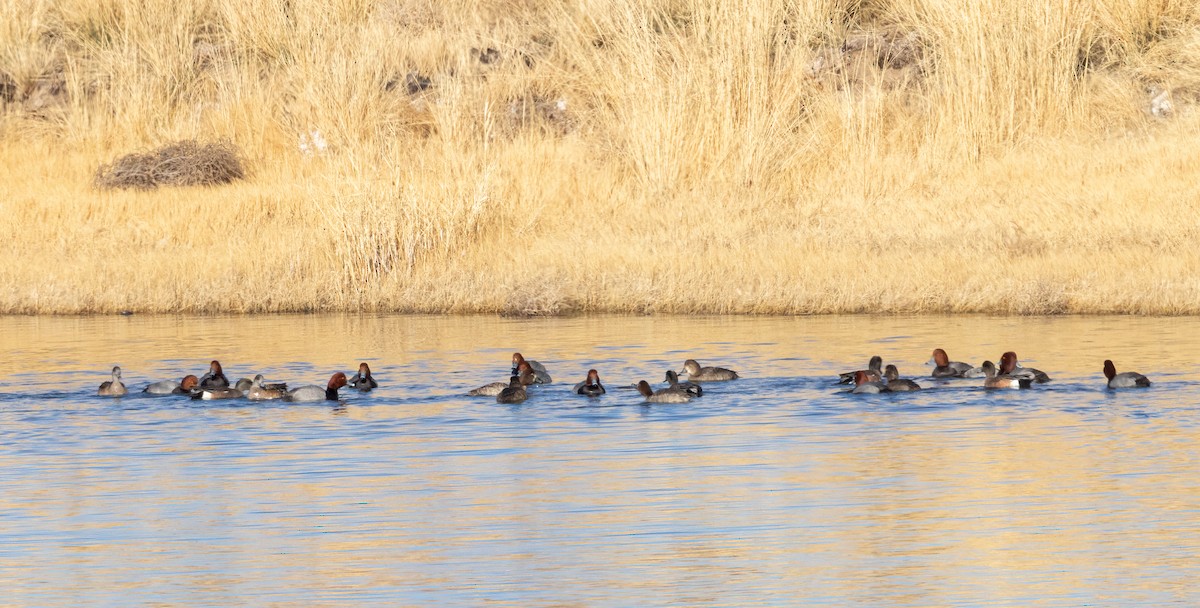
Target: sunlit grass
pixel 762 156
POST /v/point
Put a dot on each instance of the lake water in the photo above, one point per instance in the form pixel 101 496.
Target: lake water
pixel 777 489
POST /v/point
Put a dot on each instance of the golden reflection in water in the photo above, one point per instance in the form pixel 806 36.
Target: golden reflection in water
pixel 1059 497
pixel 1075 346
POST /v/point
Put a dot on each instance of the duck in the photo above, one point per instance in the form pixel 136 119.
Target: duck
pixel 114 387
pixel 540 375
pixel 874 372
pixel 488 390
pixel 945 368
pixel 691 387
pixel 897 384
pixel 170 387
pixel 707 374
pixel 1123 379
pixel 1010 366
pixel 995 380
pixel 591 386
pixel 524 373
pixel 314 393
pixel 217 393
pixel 863 384
pixel 362 380
pixel 215 378
pixel 976 372
pixel 245 384
pixel 663 395
pixel 261 391
pixel 513 393
pixel 517 358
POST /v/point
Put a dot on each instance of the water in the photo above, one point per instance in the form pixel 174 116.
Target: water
pixel 777 489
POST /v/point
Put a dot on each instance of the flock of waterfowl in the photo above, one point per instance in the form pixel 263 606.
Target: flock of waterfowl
pixel 874 379
pixel 1010 374
pixel 525 373
pixel 214 385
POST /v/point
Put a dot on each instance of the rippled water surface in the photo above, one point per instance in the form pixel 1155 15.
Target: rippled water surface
pixel 777 489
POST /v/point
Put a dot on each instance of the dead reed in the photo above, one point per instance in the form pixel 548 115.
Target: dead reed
pixel 182 163
pixel 637 156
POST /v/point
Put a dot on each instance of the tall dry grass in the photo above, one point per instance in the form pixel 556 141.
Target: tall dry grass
pixel 755 156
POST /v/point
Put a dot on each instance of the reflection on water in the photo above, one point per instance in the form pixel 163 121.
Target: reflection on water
pixel 776 489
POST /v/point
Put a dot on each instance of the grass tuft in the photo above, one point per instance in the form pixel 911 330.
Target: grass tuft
pixel 183 163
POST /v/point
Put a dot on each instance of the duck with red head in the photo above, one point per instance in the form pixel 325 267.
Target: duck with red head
pixel 992 379
pixel 363 380
pixel 313 393
pixel 591 386
pixel 863 384
pixel 170 387
pixel 1010 367
pixel 945 368
pixel 524 374
pixel 1123 379
pixel 215 378
pixel 540 375
pixel 874 372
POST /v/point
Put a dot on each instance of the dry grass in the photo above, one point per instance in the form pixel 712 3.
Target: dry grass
pixel 762 156
pixel 182 163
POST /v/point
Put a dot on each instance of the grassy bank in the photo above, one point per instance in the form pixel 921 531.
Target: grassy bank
pixel 761 156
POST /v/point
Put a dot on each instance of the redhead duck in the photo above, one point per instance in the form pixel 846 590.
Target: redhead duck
pixel 897 384
pixel 945 368
pixel 1010 367
pixel 215 378
pixel 363 380
pixel 313 393
pixel 692 388
pixel 261 391
pixel 663 395
pixel 995 380
pixel 874 372
pixel 1124 379
pixel 540 376
pixel 170 387
pixel 864 385
pixel 517 358
pixel 218 392
pixel 707 374
pixel 114 387
pixel 590 387
pixel 513 393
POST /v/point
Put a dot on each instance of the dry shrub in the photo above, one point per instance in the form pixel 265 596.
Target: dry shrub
pixel 887 57
pixel 183 163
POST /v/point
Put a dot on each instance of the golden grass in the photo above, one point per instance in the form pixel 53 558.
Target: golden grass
pixel 759 156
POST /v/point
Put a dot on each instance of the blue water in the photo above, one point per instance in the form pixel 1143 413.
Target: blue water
pixel 777 489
